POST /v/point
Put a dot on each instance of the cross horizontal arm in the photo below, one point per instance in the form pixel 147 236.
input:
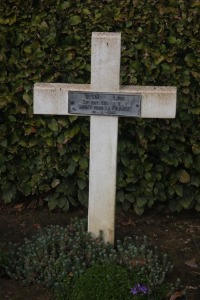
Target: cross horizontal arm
pixel 52 98
pixel 157 102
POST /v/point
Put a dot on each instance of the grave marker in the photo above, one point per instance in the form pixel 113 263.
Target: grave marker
pixel 104 99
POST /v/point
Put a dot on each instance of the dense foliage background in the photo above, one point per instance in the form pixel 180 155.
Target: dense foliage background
pixel 49 41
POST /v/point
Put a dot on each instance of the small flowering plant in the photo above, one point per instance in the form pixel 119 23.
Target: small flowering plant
pixel 139 289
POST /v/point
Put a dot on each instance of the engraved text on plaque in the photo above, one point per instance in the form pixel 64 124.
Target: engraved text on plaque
pixel 95 103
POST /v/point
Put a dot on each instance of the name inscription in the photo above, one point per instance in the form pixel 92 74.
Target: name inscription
pixel 93 103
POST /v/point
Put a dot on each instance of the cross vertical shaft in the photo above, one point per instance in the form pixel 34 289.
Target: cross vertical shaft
pixel 105 77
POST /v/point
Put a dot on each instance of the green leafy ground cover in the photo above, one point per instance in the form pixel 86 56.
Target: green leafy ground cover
pixel 49 41
pixel 74 265
pixel 174 234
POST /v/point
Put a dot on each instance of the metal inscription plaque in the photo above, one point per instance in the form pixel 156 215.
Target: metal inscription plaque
pixel 104 104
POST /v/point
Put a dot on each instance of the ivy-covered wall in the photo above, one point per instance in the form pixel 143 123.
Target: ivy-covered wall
pixel 49 41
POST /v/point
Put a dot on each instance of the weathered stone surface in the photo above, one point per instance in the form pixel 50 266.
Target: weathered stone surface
pixel 106 54
pixel 157 102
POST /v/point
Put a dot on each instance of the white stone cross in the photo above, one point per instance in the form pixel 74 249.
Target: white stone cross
pixel 156 102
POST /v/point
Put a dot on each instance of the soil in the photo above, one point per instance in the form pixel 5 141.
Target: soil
pixel 178 235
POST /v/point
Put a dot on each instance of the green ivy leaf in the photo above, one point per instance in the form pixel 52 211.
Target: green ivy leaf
pixel 179 190
pixel 75 20
pixel 9 193
pixel 53 125
pixel 148 176
pixel 49 141
pixel 63 122
pixel 190 59
pixel 159 59
pixel 71 168
pixel 129 23
pixel 64 5
pixel 196 148
pixel 52 203
pixel 73 132
pixel 62 201
pixel 186 202
pixel 125 161
pixel 72 118
pixel 35 179
pixel 184 176
pixel 28 49
pixel 86 11
pixel 187 160
pixel 27 99
pixel 172 40
pixel 141 201
pixel 138 210
pixel 26 188
pixel 81 183
pixel 76 157
pixel 83 197
pixel 55 183
pixel 120 196
pixel 65 208
pixel 72 200
pixel 11 20
pixel 83 162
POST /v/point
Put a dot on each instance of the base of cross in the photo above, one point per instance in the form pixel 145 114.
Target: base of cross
pixel 103 99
